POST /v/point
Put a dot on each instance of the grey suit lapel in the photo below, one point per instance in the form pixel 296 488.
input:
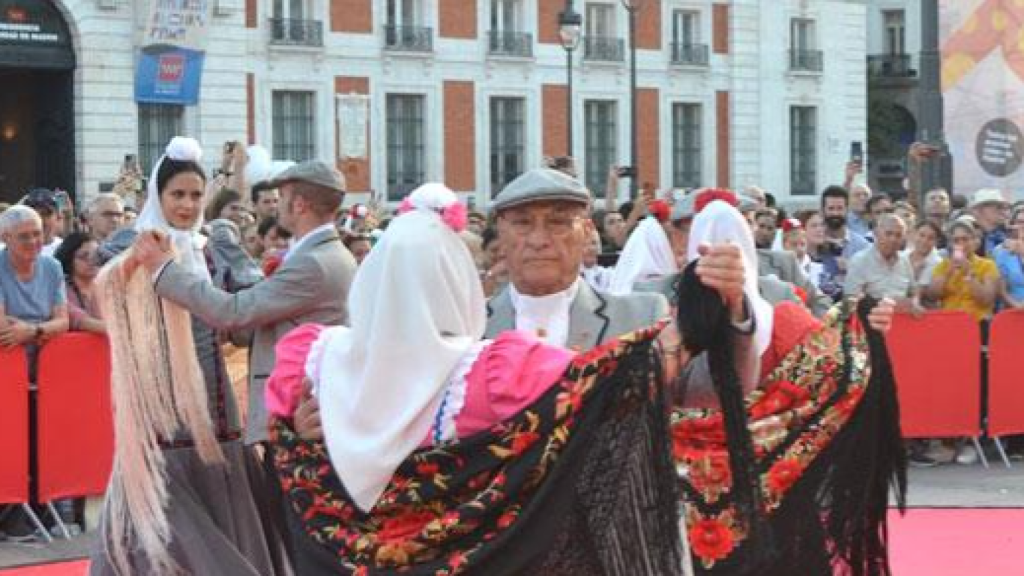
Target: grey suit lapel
pixel 587 320
pixel 500 314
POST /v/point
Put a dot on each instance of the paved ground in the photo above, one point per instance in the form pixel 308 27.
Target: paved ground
pixel 950 485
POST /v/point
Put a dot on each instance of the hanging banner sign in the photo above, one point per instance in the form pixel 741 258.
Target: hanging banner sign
pixel 170 76
pixel 983 92
pixel 353 111
pixel 180 23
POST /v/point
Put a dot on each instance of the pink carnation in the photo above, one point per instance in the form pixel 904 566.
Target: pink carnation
pixel 455 216
pixel 405 206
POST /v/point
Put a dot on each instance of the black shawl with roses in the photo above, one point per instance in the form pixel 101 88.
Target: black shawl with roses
pixel 580 482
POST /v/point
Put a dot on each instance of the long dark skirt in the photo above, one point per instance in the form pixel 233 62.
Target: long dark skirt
pixel 218 522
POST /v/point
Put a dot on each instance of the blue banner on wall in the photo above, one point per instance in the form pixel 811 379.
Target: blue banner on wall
pixel 169 76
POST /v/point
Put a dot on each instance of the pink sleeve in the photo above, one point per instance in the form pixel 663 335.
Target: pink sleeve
pixel 285 383
pixel 509 375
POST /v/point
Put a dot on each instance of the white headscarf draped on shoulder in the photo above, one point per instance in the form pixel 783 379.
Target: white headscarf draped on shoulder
pixel 720 223
pixel 187 243
pixel 417 307
pixel 647 255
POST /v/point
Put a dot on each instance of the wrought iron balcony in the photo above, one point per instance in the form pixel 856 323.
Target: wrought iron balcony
pixel 502 43
pixel 409 38
pixel 604 49
pixel 891 66
pixel 805 60
pixel 689 54
pixel 290 32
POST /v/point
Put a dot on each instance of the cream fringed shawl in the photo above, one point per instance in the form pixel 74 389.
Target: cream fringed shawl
pixel 158 394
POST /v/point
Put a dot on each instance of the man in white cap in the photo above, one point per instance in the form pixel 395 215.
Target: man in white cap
pixel 991 211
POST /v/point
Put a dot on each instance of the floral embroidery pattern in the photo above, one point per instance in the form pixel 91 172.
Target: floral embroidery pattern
pixel 447 504
pixel 793 419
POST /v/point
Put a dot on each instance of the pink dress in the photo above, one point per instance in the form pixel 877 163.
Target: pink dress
pixel 507 375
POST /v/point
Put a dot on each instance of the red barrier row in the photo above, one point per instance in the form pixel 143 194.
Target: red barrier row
pixel 74 426
pixel 937 362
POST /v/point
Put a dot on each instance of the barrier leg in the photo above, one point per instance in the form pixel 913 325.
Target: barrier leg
pixel 981 453
pixel 1002 452
pixel 37 522
pixel 59 520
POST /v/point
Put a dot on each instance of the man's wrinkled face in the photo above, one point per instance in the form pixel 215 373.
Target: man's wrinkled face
pixel 991 215
pixel 859 197
pixel 889 237
pixel 543 243
pixel 25 241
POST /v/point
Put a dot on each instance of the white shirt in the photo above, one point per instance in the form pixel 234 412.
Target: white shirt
pixel 50 248
pixel 295 245
pixel 546 317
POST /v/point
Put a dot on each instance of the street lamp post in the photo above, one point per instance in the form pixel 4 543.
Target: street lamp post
pixel 632 7
pixel 569 28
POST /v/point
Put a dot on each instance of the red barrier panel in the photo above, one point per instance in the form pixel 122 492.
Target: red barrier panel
pixel 14 425
pixel 75 418
pixel 937 364
pixel 1005 374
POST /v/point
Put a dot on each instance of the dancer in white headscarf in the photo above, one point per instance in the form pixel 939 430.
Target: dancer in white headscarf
pixel 647 256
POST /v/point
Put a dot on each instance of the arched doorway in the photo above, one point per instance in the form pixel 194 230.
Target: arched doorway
pixel 37 122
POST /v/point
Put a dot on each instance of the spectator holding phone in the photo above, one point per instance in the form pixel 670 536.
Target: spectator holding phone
pixel 965 281
pixel 1010 260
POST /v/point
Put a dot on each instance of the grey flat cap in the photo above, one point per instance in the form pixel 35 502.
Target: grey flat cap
pixel 685 206
pixel 312 172
pixel 541 184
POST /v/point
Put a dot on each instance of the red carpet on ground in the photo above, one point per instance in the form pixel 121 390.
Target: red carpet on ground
pixel 926 542
pixel 958 542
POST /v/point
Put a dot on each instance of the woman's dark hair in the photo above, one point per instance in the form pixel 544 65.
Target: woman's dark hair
pixel 170 168
pixel 705 326
pixel 221 199
pixel 269 224
pixel 489 235
pixel 65 253
pixel 939 234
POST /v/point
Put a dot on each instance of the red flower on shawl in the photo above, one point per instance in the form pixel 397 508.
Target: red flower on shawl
pixel 427 469
pixel 457 560
pixel 708 196
pixel 781 396
pixel 711 539
pixel 710 474
pixel 660 210
pixel 507 519
pixel 361 571
pixel 784 474
pixel 402 528
pixel 522 441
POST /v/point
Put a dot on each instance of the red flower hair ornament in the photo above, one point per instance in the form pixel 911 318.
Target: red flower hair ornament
pixel 709 195
pixel 660 210
pixel 791 225
pixel 437 198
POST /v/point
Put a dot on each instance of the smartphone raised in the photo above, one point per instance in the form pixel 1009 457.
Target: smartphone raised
pixel 857 152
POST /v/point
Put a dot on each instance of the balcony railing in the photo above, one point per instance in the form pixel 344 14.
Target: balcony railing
pixel 409 38
pixel 805 60
pixel 604 49
pixel 502 43
pixel 296 32
pixel 690 54
pixel 891 66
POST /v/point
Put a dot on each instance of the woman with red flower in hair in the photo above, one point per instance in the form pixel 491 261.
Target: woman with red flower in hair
pixel 790 478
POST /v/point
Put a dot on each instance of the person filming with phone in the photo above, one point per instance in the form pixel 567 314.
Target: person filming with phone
pixel 965 281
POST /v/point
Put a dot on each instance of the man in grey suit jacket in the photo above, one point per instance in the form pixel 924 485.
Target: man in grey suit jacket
pixel 784 266
pixel 311 285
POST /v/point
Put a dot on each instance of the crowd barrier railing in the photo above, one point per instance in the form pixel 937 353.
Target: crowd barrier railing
pixel 1005 379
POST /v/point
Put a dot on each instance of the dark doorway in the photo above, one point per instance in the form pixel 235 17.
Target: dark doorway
pixel 36 131
pixel 37 118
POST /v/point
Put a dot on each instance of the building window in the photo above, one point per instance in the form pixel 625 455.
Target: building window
pixel 600 40
pixel 895 31
pixel 293 125
pixel 686 45
pixel 506 36
pixel 508 146
pixel 405 142
pixel 803 146
pixel 601 138
pixel 803 53
pixel 405 28
pixel 686 145
pixel 292 23
pixel 158 123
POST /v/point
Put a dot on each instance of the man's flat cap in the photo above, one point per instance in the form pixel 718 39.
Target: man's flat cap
pixel 312 172
pixel 539 185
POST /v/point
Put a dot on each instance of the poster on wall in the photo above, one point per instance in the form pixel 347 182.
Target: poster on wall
pixel 983 93
pixel 353 117
pixel 179 23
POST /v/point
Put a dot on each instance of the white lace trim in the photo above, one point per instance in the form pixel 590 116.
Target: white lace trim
pixel 454 398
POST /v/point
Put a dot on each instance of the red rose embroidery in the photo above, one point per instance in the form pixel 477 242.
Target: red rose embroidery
pixel 710 474
pixel 711 540
pixel 506 520
pixel 783 475
pixel 427 469
pixel 402 528
pixel 522 441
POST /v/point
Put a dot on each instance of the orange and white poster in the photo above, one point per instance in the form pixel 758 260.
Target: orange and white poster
pixel 983 92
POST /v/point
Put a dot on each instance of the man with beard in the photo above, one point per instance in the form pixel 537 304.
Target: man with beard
pixel 841 243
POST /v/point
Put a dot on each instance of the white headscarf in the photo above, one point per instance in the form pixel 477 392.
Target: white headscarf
pixel 417 308
pixel 187 243
pixel 720 223
pixel 647 255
